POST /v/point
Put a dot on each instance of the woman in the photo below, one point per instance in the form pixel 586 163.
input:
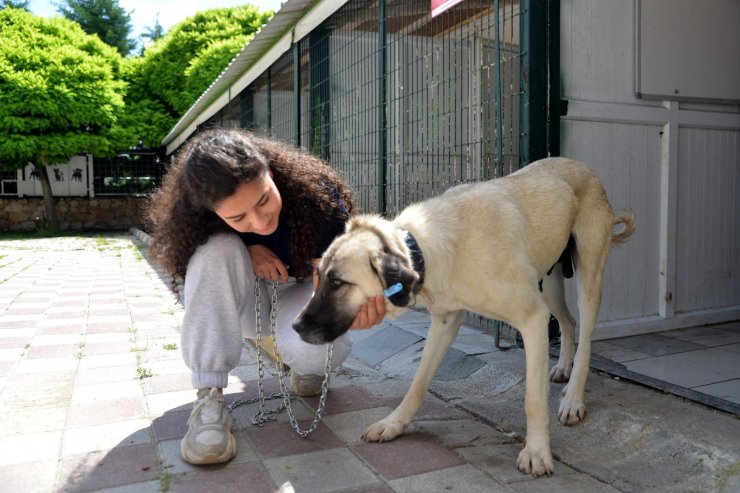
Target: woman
pixel 231 207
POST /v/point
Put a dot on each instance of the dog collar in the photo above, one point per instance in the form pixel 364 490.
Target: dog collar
pixel 416 258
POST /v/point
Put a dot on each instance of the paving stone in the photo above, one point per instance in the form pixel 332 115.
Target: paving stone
pixel 218 479
pixel 411 453
pixel 110 327
pixel 349 426
pixel 98 470
pixel 35 352
pixel 170 401
pixel 105 374
pixel 500 462
pixel 101 412
pixel 74 328
pixel 431 408
pixel 105 348
pixel 460 433
pixel 462 479
pixel 83 394
pixel 143 487
pixel 384 344
pixel 108 360
pixel 31 420
pixel 170 425
pixel 473 344
pixel 374 488
pixel 20 401
pixel 13 354
pixel 457 365
pixel 30 447
pixel 326 470
pixel 279 439
pixel 159 383
pixel 6 367
pixel 106 436
pixel 29 477
pixel 343 399
pixel 47 364
pixel 13 342
pixel 575 483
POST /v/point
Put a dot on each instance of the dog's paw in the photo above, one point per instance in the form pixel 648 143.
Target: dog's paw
pixel 384 430
pixel 535 461
pixel 571 412
pixel 559 374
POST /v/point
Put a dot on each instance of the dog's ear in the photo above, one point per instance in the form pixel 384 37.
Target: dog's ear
pixel 395 269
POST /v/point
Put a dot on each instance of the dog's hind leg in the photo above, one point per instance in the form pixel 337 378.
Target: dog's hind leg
pixel 592 250
pixel 554 294
pixel 442 332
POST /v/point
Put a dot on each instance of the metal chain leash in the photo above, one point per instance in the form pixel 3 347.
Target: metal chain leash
pixel 262 416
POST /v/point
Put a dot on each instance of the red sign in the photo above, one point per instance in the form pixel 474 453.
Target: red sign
pixel 439 6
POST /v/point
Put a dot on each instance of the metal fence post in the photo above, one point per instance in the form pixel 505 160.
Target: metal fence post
pixel 320 97
pixel 533 72
pixel 297 92
pixel 382 107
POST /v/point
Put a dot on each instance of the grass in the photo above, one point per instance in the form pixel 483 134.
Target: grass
pixel 165 480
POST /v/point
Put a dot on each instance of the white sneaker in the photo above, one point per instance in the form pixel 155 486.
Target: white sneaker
pixel 209 439
pixel 306 385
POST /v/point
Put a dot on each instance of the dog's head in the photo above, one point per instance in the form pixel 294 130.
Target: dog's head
pixel 370 256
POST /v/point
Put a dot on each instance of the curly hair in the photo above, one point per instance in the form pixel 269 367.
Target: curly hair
pixel 180 214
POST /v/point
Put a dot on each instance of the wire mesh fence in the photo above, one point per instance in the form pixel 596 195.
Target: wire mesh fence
pixel 404 105
pixel 132 173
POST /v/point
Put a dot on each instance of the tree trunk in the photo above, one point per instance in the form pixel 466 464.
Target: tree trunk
pixel 52 221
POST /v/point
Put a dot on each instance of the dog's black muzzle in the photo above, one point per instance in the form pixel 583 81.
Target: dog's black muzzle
pixel 319 326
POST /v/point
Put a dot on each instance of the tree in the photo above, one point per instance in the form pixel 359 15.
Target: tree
pixel 10 4
pixel 102 17
pixel 151 34
pixel 175 70
pixel 61 95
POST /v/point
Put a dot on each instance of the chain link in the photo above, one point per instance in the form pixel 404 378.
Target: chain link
pixel 263 415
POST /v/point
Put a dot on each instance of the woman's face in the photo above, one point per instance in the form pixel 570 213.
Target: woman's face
pixel 254 207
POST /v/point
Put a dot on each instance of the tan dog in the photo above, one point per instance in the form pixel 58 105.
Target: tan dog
pixel 499 249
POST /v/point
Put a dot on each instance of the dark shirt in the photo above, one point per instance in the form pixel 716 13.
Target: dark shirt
pixel 279 241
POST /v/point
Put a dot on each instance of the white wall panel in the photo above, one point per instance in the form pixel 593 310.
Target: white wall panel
pixel 626 158
pixel 597 50
pixel 676 165
pixel 708 222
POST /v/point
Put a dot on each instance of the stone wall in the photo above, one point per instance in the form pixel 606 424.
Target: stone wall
pixel 75 213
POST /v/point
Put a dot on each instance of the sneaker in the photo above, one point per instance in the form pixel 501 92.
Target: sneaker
pixel 209 439
pixel 306 385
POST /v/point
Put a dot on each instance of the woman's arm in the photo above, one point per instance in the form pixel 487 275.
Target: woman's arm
pixel 266 264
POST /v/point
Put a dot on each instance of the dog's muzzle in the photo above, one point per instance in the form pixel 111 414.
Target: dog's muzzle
pixel 320 327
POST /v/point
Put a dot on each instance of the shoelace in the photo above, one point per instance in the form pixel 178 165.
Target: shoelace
pixel 200 403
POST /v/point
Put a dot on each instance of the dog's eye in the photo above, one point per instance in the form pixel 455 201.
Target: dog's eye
pixel 336 283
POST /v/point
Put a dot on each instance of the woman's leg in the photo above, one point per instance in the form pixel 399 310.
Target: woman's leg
pixel 215 293
pixel 218 290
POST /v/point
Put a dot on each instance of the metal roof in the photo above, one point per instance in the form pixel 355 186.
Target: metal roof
pixel 263 43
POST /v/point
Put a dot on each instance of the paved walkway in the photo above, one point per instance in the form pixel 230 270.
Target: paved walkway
pixel 94 397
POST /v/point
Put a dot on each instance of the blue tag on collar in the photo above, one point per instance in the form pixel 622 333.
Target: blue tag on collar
pixel 392 289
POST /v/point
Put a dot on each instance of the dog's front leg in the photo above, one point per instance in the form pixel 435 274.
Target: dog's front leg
pixel 536 458
pixel 442 332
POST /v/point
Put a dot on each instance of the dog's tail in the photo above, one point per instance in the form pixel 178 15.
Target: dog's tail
pixel 627 220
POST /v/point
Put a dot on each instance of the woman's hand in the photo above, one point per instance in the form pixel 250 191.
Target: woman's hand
pixel 370 314
pixel 267 265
